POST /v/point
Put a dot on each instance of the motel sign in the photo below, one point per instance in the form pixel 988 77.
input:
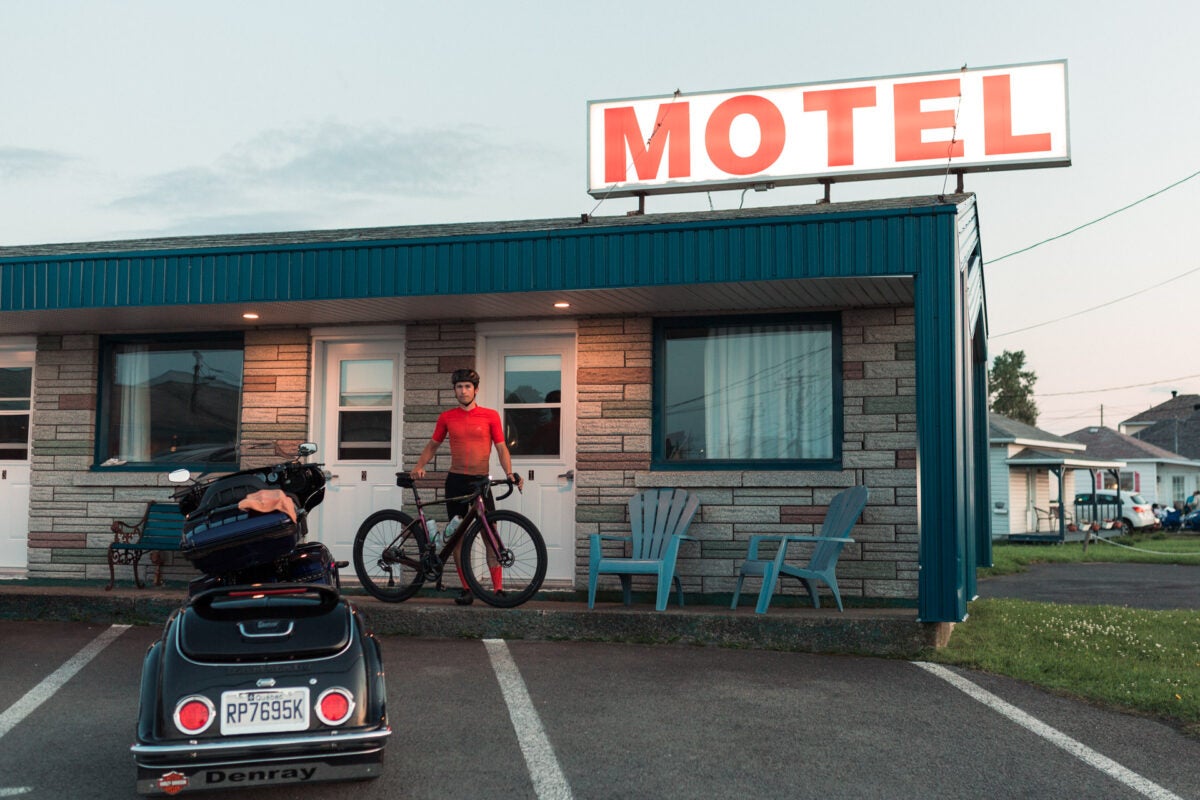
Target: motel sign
pixel 967 120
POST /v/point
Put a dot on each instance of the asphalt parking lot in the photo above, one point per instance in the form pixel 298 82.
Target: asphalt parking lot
pixel 1154 586
pixel 598 720
pixel 626 720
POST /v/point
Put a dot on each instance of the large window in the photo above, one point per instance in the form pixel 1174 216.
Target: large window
pixel 170 401
pixel 748 392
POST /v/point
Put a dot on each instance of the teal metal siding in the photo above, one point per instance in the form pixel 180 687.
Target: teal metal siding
pixel 948 448
pixel 587 257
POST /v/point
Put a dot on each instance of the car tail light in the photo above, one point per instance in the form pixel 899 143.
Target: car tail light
pixel 194 714
pixel 1141 509
pixel 335 706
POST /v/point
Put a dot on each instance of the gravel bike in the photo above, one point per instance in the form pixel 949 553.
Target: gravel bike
pixel 502 555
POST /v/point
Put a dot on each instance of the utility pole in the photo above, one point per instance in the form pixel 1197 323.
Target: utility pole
pixel 1102 415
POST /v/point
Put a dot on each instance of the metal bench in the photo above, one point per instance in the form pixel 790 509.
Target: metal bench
pixel 160 530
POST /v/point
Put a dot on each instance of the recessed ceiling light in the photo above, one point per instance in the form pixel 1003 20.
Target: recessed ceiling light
pixel 249 315
pixel 562 305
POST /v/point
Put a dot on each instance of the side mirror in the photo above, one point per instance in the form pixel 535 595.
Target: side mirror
pixel 308 448
pixel 179 475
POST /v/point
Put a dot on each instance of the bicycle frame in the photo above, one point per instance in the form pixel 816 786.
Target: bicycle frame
pixel 477 511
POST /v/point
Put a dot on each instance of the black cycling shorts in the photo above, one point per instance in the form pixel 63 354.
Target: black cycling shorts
pixel 458 484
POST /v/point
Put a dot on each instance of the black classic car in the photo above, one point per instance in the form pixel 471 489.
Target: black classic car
pixel 261 685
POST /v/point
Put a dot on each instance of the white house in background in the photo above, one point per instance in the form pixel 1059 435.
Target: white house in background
pixel 1030 469
pixel 1160 475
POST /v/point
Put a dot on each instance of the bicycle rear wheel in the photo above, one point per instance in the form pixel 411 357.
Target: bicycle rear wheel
pixel 514 574
pixel 387 555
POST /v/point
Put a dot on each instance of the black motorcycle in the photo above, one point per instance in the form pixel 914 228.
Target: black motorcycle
pixel 234 540
pixel 267 675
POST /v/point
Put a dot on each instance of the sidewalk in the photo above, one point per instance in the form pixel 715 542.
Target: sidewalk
pixel 892 632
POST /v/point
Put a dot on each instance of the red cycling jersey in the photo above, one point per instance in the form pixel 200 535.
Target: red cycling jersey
pixel 471 436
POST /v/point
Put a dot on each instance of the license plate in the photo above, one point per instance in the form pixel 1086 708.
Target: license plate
pixel 264 710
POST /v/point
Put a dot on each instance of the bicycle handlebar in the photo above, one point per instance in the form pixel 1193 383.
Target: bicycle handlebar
pixel 405 480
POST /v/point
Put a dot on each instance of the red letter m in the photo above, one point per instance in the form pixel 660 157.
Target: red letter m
pixel 621 130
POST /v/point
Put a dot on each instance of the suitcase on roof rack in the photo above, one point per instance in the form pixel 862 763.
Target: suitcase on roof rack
pixel 227 539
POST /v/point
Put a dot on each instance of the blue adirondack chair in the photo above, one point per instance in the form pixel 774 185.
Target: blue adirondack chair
pixel 658 519
pixel 839 521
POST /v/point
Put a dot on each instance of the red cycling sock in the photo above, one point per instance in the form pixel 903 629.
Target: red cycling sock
pixel 497 577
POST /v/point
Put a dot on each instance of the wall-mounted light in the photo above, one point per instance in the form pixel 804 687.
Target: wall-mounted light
pixel 249 315
pixel 562 305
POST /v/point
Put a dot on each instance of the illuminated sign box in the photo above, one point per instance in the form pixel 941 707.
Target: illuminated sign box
pixel 969 120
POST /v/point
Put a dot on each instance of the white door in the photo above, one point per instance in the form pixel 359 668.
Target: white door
pixel 16 404
pixel 530 380
pixel 357 410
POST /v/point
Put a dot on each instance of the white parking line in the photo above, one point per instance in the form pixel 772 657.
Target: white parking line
pixel 55 680
pixel 549 783
pixel 1087 755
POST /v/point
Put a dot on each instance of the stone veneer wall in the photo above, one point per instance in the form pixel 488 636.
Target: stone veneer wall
pixel 878 450
pixel 432 352
pixel 72 506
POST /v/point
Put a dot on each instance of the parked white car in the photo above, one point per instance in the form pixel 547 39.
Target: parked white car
pixel 1136 511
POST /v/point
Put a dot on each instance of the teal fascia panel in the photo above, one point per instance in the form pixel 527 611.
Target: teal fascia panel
pixel 858 244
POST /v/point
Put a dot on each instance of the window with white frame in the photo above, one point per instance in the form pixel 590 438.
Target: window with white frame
pixel 748 392
pixel 169 400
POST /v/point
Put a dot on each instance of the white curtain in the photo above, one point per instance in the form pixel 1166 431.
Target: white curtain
pixel 133 380
pixel 768 392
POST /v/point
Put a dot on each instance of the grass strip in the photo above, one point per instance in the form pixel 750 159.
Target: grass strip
pixel 1128 659
pixel 1156 548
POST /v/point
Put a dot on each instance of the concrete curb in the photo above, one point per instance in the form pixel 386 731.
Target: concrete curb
pixel 892 633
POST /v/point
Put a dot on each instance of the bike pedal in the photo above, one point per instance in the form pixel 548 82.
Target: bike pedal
pixel 341 564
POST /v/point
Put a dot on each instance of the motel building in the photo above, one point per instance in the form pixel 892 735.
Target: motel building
pixel 764 358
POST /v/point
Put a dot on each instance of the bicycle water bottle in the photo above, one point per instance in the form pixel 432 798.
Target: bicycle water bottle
pixel 431 526
pixel 452 526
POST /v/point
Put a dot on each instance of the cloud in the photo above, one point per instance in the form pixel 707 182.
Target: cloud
pixel 23 162
pixel 183 189
pixel 330 161
pixel 345 159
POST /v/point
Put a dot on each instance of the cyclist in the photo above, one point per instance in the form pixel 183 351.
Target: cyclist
pixel 473 431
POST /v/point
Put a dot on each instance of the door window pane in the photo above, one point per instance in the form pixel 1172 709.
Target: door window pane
pixel 366 383
pixel 533 405
pixel 532 379
pixel 14 437
pixel 172 401
pixel 16 389
pixel 365 403
pixel 533 431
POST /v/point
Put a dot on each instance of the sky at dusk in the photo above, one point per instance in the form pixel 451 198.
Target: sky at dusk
pixel 138 119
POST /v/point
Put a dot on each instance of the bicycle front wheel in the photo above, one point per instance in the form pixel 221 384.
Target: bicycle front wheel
pixel 507 574
pixel 387 555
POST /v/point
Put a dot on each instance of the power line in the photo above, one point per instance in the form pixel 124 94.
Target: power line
pixel 1118 388
pixel 1093 222
pixel 1095 308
